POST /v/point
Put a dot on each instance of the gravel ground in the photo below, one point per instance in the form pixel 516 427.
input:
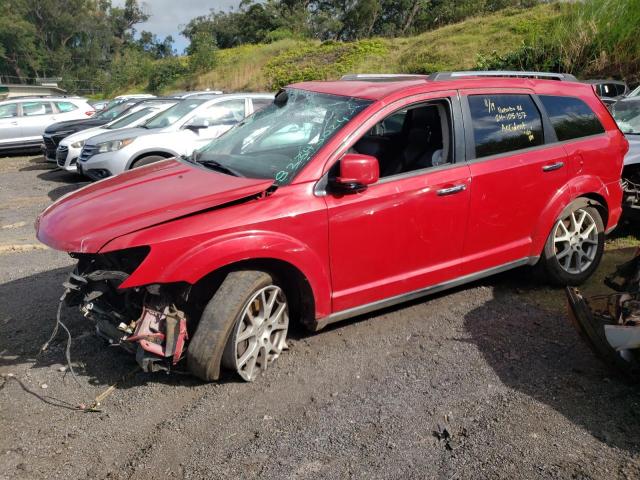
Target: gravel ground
pixel 474 383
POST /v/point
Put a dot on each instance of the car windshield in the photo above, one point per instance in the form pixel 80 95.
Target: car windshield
pixel 173 114
pixel 129 119
pixel 113 112
pixel 627 115
pixel 278 141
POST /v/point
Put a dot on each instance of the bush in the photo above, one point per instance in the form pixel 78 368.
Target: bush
pixel 328 60
pixel 166 72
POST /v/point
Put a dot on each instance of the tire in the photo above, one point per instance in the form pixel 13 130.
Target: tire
pixel 141 162
pixel 575 244
pixel 231 331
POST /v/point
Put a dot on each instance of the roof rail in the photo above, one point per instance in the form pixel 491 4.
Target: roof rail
pixel 383 77
pixel 566 77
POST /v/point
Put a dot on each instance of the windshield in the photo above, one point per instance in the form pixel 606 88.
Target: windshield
pixel 129 119
pixel 278 141
pixel 173 114
pixel 113 112
pixel 627 115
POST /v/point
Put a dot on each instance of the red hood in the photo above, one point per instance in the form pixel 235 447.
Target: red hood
pixel 87 219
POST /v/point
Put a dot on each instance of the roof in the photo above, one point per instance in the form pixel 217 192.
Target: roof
pixel 378 90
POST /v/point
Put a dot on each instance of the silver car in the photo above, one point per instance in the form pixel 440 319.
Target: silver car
pixel 190 124
pixel 24 119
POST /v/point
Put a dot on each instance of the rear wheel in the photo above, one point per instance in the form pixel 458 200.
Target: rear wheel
pixel 575 245
pixel 141 162
pixel 248 317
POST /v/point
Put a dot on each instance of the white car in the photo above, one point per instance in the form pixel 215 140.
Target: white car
pixel 70 147
pixel 24 119
pixel 190 124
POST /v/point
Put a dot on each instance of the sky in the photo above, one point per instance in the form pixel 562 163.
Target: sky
pixel 168 16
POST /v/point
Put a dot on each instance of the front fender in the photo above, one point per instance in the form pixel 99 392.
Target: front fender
pixel 170 262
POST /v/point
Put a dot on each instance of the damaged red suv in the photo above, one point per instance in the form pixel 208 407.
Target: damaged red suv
pixel 338 199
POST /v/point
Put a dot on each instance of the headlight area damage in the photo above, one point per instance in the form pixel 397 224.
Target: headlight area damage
pixel 146 321
pixel 610 323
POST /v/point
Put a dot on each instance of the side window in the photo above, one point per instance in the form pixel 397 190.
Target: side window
pixel 228 112
pixel 9 110
pixel 410 139
pixel 504 123
pixel 65 107
pixel 30 109
pixel 260 103
pixel 571 117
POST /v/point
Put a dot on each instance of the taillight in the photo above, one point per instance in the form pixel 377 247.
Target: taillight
pixel 89 113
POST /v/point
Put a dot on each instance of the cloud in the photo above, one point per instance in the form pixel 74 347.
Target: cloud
pixel 167 17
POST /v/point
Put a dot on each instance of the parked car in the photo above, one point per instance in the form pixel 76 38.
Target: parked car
pixel 634 93
pixel 99 104
pixel 610 91
pixel 626 112
pixel 180 130
pixel 55 132
pixel 23 119
pixel 70 147
pixel 339 199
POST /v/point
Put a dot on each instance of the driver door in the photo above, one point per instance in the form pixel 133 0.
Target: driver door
pixel 10 131
pixel 406 232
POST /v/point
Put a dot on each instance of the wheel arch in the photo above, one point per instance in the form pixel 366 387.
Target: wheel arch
pixel 160 153
pixel 294 282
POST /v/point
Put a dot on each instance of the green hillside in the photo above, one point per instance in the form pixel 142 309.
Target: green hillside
pixel 268 66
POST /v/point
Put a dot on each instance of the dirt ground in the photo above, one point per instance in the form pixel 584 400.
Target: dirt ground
pixel 486 381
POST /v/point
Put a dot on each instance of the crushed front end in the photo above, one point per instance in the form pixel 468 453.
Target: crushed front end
pixel 147 321
pixel 610 323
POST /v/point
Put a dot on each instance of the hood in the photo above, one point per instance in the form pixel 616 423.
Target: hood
pixel 85 220
pixel 75 125
pixel 83 135
pixel 633 155
pixel 120 134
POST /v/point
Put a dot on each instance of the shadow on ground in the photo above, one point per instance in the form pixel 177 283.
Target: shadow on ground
pixel 66 182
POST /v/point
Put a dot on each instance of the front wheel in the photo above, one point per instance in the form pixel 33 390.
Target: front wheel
pixel 575 245
pixel 250 314
pixel 148 160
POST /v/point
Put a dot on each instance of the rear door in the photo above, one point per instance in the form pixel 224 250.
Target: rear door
pixel 514 175
pixel 10 130
pixel 36 116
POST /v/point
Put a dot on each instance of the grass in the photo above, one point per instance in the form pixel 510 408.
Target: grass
pixel 264 66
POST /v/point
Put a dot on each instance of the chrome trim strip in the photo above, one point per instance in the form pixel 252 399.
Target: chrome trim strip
pixel 405 297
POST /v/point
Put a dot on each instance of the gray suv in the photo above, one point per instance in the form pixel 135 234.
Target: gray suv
pixel 23 119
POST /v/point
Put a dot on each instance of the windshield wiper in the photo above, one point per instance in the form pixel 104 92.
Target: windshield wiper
pixel 219 167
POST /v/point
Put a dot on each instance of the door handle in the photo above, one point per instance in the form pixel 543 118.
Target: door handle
pixel 552 167
pixel 451 190
pixel 14 123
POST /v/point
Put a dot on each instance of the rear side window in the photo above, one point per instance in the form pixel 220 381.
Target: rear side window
pixel 504 123
pixel 30 109
pixel 571 117
pixel 65 107
pixel 9 110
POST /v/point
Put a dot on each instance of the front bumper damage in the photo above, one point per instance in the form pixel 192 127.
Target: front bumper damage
pixel 145 321
pixel 610 323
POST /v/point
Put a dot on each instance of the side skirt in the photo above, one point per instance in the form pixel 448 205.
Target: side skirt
pixel 405 297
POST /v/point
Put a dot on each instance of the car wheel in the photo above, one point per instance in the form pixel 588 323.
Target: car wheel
pixel 575 245
pixel 249 317
pixel 147 160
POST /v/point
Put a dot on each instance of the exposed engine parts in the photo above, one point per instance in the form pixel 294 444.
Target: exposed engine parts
pixel 144 321
pixel 610 323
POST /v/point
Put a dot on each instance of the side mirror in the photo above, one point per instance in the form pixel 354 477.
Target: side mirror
pixel 197 124
pixel 356 173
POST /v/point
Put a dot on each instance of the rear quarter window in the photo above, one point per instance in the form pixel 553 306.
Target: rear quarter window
pixel 504 123
pixel 65 107
pixel 571 117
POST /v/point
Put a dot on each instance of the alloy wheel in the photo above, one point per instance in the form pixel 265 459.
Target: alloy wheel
pixel 575 241
pixel 261 332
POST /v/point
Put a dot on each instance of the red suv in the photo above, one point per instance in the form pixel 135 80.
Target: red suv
pixel 338 199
